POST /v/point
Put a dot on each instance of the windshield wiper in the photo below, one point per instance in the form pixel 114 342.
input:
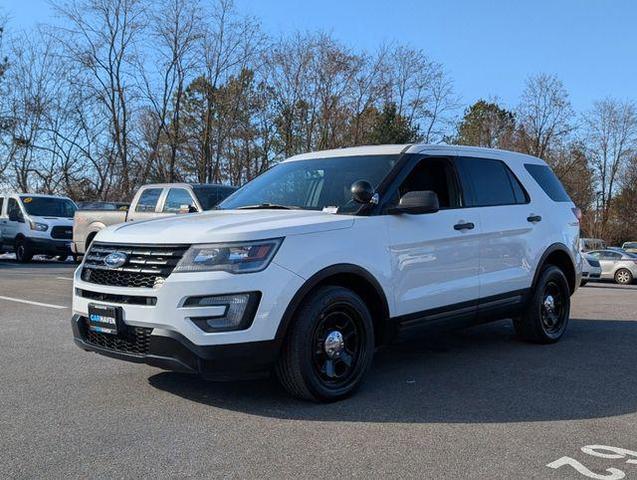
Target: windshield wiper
pixel 265 206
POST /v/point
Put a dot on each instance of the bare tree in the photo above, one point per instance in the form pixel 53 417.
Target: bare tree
pixel 175 30
pixel 100 39
pixel 611 141
pixel 422 92
pixel 544 114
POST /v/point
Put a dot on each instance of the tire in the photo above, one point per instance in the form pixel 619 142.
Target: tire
pixel 583 283
pixel 546 315
pixel 329 346
pixel 22 251
pixel 623 276
pixel 61 258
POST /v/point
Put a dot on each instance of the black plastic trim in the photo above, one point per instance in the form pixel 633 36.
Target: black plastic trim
pixel 173 351
pixel 466 313
pixel 551 249
pixel 317 278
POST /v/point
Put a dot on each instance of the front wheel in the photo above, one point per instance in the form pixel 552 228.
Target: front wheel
pixel 329 347
pixel 623 276
pixel 546 315
pixel 22 252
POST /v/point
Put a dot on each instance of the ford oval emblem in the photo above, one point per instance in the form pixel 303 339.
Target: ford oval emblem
pixel 115 259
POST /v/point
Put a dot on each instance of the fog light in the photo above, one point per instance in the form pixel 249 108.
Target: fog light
pixel 238 314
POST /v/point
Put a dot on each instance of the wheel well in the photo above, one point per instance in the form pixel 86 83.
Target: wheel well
pixel 562 260
pixel 361 283
pixel 89 240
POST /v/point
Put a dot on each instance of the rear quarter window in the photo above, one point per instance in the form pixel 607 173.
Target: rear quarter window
pixel 548 181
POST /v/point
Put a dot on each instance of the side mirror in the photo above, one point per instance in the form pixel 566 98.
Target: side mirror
pixel 362 191
pixel 414 203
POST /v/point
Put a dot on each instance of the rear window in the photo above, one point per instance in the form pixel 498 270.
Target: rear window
pixel 626 245
pixel 210 196
pixel 546 179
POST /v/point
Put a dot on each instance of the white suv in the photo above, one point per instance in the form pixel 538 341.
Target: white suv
pixel 312 265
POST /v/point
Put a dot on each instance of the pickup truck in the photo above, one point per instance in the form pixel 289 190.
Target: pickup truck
pixel 150 201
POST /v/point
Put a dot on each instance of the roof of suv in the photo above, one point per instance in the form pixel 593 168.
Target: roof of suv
pixel 417 148
pixel 185 184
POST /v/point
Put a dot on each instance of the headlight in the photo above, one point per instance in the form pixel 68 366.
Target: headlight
pixel 239 257
pixel 40 227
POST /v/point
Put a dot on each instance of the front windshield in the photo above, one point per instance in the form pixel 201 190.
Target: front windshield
pixel 312 184
pixel 48 206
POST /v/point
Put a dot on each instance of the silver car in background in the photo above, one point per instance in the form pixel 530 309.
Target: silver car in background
pixel 620 266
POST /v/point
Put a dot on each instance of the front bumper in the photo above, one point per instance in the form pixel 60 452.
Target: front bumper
pixel 175 341
pixel 172 351
pixel 47 246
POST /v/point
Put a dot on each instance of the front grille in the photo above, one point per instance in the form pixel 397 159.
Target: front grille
pixel 134 340
pixel 146 266
pixel 113 298
pixel 61 232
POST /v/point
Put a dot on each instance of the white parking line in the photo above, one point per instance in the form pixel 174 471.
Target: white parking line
pixel 65 278
pixel 19 300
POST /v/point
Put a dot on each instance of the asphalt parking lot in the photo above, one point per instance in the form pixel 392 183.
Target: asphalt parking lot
pixel 471 404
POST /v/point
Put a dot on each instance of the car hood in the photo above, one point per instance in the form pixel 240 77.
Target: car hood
pixel 53 221
pixel 224 226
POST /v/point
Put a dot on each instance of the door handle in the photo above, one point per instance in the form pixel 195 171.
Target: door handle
pixel 464 226
pixel 534 218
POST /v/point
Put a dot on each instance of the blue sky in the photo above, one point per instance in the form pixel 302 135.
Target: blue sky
pixel 488 47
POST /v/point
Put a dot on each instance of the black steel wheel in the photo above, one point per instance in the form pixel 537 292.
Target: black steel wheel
pixel 329 346
pixel 337 340
pixel 545 317
pixel 552 308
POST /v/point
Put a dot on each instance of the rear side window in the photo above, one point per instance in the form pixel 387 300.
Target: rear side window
pixel 1 204
pixel 546 179
pixel 488 182
pixel 148 200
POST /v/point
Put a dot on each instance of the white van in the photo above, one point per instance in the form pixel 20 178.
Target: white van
pixel 36 225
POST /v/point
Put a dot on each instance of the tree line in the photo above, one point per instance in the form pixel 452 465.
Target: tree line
pixel 118 93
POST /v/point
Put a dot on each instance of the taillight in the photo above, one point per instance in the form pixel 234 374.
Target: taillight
pixel 577 212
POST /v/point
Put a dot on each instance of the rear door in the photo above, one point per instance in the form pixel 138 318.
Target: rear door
pixel 435 262
pixel 510 228
pixel 146 205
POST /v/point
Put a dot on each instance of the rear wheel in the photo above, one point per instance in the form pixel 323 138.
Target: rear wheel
pixel 623 276
pixel 22 251
pixel 329 347
pixel 546 316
